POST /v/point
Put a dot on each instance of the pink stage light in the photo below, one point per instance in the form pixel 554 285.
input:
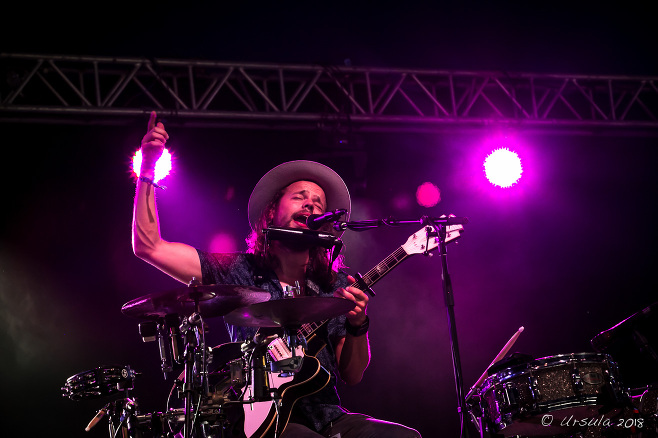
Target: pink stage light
pixel 162 166
pixel 428 195
pixel 503 167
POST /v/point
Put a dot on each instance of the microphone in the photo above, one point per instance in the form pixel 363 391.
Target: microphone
pixel 315 221
pixel 172 323
pixel 94 421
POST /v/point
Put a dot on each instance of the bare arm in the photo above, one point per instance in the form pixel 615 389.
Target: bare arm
pixel 353 352
pixel 178 260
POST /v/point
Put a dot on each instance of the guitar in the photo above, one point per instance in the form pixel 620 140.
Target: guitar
pixel 261 418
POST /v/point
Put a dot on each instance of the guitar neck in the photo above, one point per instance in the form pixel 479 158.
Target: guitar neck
pixel 366 281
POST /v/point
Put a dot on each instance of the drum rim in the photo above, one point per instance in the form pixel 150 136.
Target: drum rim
pixel 542 363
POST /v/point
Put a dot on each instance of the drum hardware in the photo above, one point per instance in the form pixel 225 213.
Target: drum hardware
pixel 511 395
pixel 175 319
pixel 102 382
pixel 633 343
pixel 576 381
pixel 290 291
pixel 237 373
pixel 99 382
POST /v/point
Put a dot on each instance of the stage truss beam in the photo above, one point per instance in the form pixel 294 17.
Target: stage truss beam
pixel 88 89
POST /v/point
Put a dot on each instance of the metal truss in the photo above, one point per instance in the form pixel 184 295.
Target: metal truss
pixel 84 89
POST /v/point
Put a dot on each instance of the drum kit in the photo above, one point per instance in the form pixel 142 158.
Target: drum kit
pixel 210 402
pixel 578 394
pixel 611 392
pixel 567 395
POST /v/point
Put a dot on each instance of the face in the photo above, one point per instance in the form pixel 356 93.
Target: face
pixel 300 200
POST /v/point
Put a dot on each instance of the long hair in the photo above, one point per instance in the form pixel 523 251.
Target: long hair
pixel 320 269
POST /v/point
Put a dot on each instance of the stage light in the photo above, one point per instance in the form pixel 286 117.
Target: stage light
pixel 503 167
pixel 162 166
pixel 428 195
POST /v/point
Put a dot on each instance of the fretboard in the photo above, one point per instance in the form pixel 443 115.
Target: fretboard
pixel 366 281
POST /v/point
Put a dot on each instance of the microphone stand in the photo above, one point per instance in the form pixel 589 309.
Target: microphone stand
pixel 452 325
pixel 439 224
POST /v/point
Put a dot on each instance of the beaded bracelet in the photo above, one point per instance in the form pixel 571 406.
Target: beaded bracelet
pixel 150 181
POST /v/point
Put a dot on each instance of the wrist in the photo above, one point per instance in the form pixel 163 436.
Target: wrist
pixel 358 330
pixel 147 172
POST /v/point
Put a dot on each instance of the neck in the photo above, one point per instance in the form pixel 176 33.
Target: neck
pixel 292 263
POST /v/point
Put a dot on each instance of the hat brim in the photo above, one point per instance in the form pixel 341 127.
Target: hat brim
pixel 285 174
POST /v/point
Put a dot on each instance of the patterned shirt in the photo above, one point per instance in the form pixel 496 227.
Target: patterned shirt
pixel 315 410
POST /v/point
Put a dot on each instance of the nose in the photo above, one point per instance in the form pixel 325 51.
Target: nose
pixel 308 205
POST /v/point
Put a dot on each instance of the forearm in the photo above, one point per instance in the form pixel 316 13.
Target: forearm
pixel 354 358
pixel 146 228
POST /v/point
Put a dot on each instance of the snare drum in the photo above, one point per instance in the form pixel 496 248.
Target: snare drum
pixel 567 387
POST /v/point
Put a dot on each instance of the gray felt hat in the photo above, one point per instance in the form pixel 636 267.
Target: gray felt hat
pixel 285 174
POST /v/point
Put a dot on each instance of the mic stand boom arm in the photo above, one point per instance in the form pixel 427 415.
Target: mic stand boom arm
pixel 391 222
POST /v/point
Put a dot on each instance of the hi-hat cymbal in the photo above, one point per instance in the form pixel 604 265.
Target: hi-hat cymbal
pixel 289 312
pixel 212 300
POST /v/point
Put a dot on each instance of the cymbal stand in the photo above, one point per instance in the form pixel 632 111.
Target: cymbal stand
pixel 196 358
pixel 123 411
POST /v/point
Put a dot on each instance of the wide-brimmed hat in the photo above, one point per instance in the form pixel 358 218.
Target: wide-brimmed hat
pixel 285 174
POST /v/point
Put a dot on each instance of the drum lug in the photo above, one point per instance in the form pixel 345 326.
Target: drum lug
pixel 576 381
pixel 536 393
pixel 510 395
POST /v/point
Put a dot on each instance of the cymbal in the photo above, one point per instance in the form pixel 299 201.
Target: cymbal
pixel 289 312
pixel 213 300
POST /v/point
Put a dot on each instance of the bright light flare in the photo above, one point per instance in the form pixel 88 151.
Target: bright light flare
pixel 428 195
pixel 503 167
pixel 162 166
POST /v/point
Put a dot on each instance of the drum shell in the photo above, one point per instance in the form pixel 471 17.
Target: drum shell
pixel 514 400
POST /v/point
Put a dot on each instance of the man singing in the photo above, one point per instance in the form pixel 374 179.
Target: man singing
pixel 285 197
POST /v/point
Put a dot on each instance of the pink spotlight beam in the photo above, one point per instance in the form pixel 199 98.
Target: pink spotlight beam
pixel 503 167
pixel 162 166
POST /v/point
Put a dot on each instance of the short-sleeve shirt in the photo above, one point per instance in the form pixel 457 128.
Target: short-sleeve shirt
pixel 316 410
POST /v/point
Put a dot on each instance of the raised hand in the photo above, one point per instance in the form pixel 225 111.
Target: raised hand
pixel 153 144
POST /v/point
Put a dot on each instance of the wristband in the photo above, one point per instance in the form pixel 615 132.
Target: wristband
pixel 150 181
pixel 357 331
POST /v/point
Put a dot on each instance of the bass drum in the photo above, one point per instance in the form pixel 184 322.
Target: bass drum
pixel 545 396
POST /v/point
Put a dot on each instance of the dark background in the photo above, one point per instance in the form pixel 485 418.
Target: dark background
pixel 567 253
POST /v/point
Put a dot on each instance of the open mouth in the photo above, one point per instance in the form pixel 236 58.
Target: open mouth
pixel 300 219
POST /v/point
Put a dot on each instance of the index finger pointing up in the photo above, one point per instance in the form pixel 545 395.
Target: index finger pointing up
pixel 152 118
